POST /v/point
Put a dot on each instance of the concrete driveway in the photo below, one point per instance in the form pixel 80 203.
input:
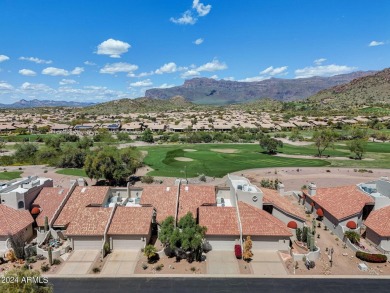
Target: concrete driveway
pixel 222 263
pixel 266 263
pixel 120 263
pixel 79 262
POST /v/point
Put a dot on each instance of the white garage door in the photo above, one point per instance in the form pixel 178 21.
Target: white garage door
pixel 269 243
pixel 120 243
pixel 222 243
pixel 86 243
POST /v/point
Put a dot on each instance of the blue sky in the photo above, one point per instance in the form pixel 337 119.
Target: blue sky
pixel 105 50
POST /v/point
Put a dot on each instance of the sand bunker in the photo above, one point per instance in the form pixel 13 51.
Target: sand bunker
pixel 189 150
pixel 183 159
pixel 225 151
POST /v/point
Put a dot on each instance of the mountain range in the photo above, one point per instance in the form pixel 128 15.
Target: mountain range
pixel 211 91
pixel 364 91
pixel 44 103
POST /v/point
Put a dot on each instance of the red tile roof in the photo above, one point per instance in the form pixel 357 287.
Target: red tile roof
pixel 271 196
pixel 13 221
pixel 162 200
pixel 379 221
pixel 79 199
pixel 193 196
pixel 219 220
pixel 90 221
pixel 342 202
pixel 256 222
pixel 48 200
pixel 131 221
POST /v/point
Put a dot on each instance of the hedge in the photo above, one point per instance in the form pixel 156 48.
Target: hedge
pixel 237 251
pixel 375 258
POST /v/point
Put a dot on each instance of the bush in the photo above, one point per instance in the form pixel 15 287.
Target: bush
pixel 237 251
pixel 147 179
pixel 368 257
pixel 144 266
pixel 45 267
pixel 56 261
pixel 96 270
pixel 193 269
pixel 159 267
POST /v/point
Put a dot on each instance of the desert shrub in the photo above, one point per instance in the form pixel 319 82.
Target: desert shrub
pixel 202 178
pixel 353 236
pixel 144 266
pixel 159 267
pixel 45 267
pixel 96 270
pixel 56 261
pixel 193 269
pixel 368 257
pixel 147 179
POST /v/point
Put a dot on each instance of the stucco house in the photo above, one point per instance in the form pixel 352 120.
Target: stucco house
pixel 338 206
pixel 378 229
pixel 16 223
pixel 131 227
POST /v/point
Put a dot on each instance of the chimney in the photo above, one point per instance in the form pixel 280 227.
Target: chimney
pixel 312 189
pixel 280 188
pixel 81 182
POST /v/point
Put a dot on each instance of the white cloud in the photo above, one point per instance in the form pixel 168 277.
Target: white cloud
pixel 186 18
pixel 143 74
pixel 53 71
pixel 228 78
pixel 167 68
pixel 77 71
pixel 267 73
pixel 319 61
pixel 113 48
pixel 89 63
pixel 202 9
pixel 323 70
pixel 27 72
pixel 198 41
pixel 375 43
pixel 35 87
pixel 67 81
pixel 214 65
pixel 3 58
pixel 142 83
pixel 273 71
pixel 119 67
pixel 214 76
pixel 4 86
pixel 255 78
pixel 165 86
pixel 36 60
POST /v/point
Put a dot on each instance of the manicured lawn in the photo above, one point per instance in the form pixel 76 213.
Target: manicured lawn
pixel 10 175
pixel 72 172
pixel 212 163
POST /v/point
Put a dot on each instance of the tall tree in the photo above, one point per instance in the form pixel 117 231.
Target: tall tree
pixel 270 145
pixel 323 139
pixel 358 147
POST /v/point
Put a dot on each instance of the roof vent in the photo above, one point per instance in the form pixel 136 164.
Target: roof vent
pixel 61 191
pixel 83 190
pixel 168 188
pixel 186 188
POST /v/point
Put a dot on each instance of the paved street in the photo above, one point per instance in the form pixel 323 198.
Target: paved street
pixel 79 262
pixel 222 262
pixel 267 263
pixel 212 285
pixel 120 263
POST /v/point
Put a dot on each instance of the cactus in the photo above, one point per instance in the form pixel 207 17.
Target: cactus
pixel 46 224
pixel 50 255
